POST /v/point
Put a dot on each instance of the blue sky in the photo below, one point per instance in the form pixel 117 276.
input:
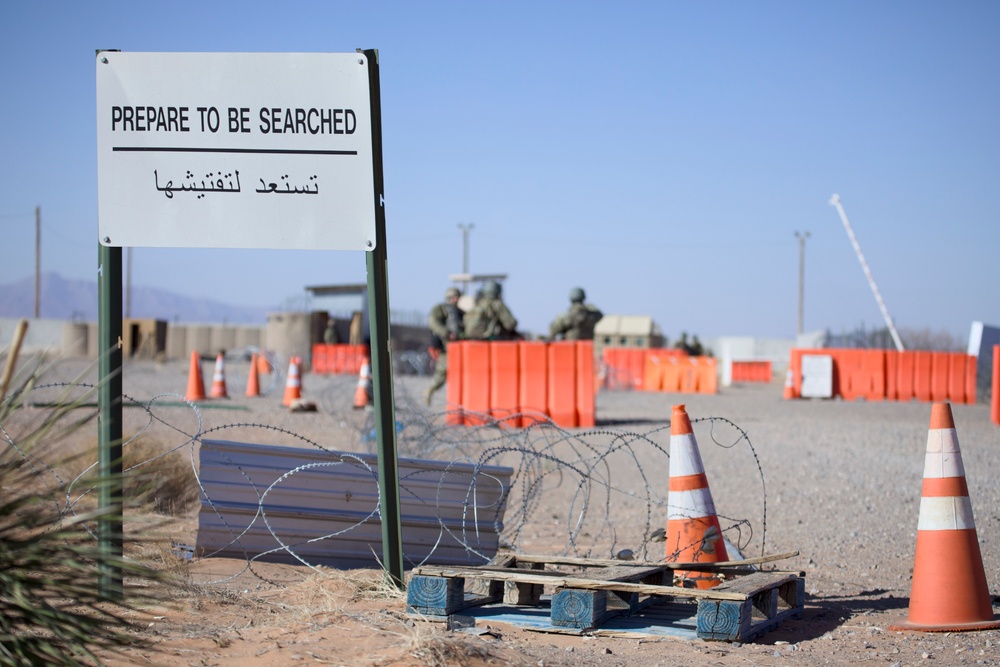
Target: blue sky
pixel 661 155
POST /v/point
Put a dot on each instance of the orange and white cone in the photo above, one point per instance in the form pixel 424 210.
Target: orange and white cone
pixel 219 379
pixel 253 379
pixel 949 591
pixel 363 393
pixel 293 385
pixel 196 384
pixel 789 386
pixel 693 530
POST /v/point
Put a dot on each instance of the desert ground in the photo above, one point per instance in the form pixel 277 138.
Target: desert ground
pixel 838 483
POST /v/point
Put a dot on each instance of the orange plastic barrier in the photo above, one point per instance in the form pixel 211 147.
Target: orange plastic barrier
pixel 939 376
pixel 922 376
pixel 670 370
pixel 562 384
pixel 671 381
pixel 956 377
pixel 504 385
pixel 906 376
pixel 586 384
pixel 708 380
pixel 618 373
pixel 339 358
pixel 875 375
pixel 892 375
pixel 475 381
pixel 319 358
pixel 455 383
pixel 637 365
pixel 652 375
pixel 689 375
pixel 534 380
pixel 751 371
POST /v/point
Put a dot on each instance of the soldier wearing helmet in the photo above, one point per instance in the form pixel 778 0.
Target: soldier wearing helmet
pixel 579 321
pixel 446 322
pixel 490 319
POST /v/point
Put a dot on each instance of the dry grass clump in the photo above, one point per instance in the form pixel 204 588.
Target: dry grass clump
pixel 158 478
pixel 52 610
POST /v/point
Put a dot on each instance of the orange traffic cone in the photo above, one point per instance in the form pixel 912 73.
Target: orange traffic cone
pixel 196 385
pixel 253 380
pixel 263 366
pixel 293 386
pixel 949 591
pixel 693 531
pixel 363 394
pixel 789 385
pixel 219 379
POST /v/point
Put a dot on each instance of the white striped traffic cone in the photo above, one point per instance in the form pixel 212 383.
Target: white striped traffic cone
pixel 949 591
pixel 363 392
pixel 693 530
pixel 219 379
pixel 293 385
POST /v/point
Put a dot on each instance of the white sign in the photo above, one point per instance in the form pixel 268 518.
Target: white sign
pixel 817 376
pixel 235 150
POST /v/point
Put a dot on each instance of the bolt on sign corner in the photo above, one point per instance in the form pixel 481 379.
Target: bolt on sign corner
pixel 235 150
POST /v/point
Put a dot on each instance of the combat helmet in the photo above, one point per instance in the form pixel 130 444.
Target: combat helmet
pixel 577 295
pixel 491 289
pixel 452 293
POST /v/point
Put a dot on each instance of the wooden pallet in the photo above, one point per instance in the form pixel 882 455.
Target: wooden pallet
pixel 610 595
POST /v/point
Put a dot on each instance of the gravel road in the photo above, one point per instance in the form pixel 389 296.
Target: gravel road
pixel 840 481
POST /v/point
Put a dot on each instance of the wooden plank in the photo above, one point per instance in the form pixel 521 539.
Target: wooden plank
pixel 771 598
pixel 584 608
pixel 434 596
pixel 754 583
pixel 591 562
pixel 577 582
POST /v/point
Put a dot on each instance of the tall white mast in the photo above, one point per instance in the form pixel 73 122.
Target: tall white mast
pixel 835 202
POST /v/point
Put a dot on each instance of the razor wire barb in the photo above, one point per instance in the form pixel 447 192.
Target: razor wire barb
pixel 580 492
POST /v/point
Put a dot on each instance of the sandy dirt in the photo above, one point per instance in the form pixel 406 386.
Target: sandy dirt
pixel 837 482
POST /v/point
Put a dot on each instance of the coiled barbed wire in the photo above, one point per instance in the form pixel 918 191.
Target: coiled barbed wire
pixel 582 480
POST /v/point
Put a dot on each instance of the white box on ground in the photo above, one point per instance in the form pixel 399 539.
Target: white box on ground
pixel 235 150
pixel 817 376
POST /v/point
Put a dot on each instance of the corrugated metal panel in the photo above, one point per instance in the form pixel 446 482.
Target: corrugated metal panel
pixel 291 505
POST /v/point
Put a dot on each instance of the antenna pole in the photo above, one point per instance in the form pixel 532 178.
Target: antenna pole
pixel 835 202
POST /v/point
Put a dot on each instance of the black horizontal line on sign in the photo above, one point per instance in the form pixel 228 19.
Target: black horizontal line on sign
pixel 268 151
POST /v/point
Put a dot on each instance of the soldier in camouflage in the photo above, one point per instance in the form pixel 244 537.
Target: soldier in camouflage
pixel 446 322
pixel 490 319
pixel 579 321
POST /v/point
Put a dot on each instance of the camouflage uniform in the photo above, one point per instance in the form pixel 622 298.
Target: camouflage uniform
pixel 490 319
pixel 579 321
pixel 446 323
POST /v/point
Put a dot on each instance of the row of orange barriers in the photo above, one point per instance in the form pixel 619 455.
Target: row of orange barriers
pixel 751 371
pixel 658 369
pixel 337 359
pixel 517 381
pixel 877 375
pixel 681 374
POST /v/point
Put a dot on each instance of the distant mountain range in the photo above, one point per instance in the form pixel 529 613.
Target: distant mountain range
pixel 65 299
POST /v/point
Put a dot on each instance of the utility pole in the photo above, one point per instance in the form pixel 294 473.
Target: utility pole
pixel 802 236
pixel 466 228
pixel 38 261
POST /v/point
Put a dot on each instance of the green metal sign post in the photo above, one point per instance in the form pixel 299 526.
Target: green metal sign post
pixel 378 310
pixel 109 402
